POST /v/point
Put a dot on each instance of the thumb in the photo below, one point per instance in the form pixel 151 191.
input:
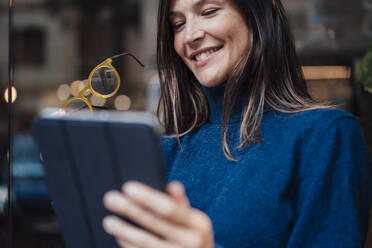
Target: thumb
pixel 177 191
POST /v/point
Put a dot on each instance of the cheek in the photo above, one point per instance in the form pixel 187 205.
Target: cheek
pixel 239 42
pixel 178 46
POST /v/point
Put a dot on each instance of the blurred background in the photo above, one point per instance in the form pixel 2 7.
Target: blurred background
pixel 58 42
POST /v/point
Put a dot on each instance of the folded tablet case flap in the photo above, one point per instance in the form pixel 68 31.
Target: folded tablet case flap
pixel 85 159
pixel 94 168
pixel 62 181
pixel 133 156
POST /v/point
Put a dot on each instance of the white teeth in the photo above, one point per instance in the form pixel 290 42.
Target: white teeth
pixel 205 54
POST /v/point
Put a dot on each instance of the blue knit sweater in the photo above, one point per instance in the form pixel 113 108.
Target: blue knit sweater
pixel 308 185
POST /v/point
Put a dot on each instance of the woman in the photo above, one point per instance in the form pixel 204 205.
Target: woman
pixel 262 164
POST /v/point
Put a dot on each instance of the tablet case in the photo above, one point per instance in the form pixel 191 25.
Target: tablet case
pixel 83 159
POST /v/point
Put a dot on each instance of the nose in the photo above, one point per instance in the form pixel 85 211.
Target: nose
pixel 193 33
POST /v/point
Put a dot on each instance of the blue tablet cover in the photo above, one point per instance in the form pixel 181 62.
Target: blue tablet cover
pixel 83 159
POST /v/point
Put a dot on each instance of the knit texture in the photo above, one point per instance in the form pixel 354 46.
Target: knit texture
pixel 308 185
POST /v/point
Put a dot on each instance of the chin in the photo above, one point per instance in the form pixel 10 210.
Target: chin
pixel 212 75
pixel 211 82
pixel 211 85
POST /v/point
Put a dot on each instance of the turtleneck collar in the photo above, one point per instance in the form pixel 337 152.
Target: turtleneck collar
pixel 215 99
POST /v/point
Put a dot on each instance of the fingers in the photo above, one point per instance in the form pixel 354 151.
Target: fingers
pixel 157 202
pixel 116 202
pixel 164 206
pixel 169 216
pixel 128 235
pixel 123 244
pixel 177 192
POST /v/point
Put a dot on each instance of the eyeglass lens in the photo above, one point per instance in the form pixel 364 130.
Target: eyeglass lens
pixel 104 81
pixel 76 105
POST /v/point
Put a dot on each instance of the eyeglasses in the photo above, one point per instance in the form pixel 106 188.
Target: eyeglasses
pixel 103 82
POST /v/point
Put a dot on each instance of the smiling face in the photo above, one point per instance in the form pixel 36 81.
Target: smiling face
pixel 210 36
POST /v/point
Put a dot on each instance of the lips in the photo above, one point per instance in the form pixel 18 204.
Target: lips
pixel 201 57
pixel 204 53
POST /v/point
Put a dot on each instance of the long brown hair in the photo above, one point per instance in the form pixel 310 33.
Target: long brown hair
pixel 267 75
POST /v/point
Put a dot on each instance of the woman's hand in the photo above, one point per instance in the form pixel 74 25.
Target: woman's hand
pixel 169 219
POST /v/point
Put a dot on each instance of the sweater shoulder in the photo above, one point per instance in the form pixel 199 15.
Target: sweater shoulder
pixel 298 131
pixel 310 119
pixel 325 115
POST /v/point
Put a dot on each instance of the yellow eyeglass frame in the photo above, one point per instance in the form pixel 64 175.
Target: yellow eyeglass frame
pixel 88 87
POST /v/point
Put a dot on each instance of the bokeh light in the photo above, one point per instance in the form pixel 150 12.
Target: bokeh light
pixel 97 101
pixel 122 102
pixel 63 92
pixel 14 94
pixel 76 87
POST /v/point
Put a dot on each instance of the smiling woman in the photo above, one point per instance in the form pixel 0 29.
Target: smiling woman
pixel 258 162
pixel 209 45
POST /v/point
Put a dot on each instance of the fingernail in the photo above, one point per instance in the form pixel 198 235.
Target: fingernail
pixel 110 223
pixel 132 189
pixel 114 199
pixel 111 198
pixel 179 187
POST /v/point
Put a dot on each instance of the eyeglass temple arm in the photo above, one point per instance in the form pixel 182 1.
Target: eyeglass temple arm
pixel 122 54
pixel 83 91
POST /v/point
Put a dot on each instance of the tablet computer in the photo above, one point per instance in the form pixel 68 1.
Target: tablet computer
pixel 85 155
